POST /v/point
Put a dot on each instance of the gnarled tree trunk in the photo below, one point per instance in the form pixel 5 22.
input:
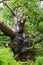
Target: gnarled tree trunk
pixel 22 45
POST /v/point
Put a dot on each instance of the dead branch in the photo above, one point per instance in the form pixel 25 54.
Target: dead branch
pixel 7 30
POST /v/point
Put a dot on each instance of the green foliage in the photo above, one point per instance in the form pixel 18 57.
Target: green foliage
pixel 6 57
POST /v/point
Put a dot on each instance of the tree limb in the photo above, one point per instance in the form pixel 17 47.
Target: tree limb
pixel 35 34
pixel 7 30
pixel 9 8
pixel 38 50
pixel 38 41
pixel 24 49
pixel 3 1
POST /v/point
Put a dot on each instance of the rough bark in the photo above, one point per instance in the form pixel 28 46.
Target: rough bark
pixel 7 30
